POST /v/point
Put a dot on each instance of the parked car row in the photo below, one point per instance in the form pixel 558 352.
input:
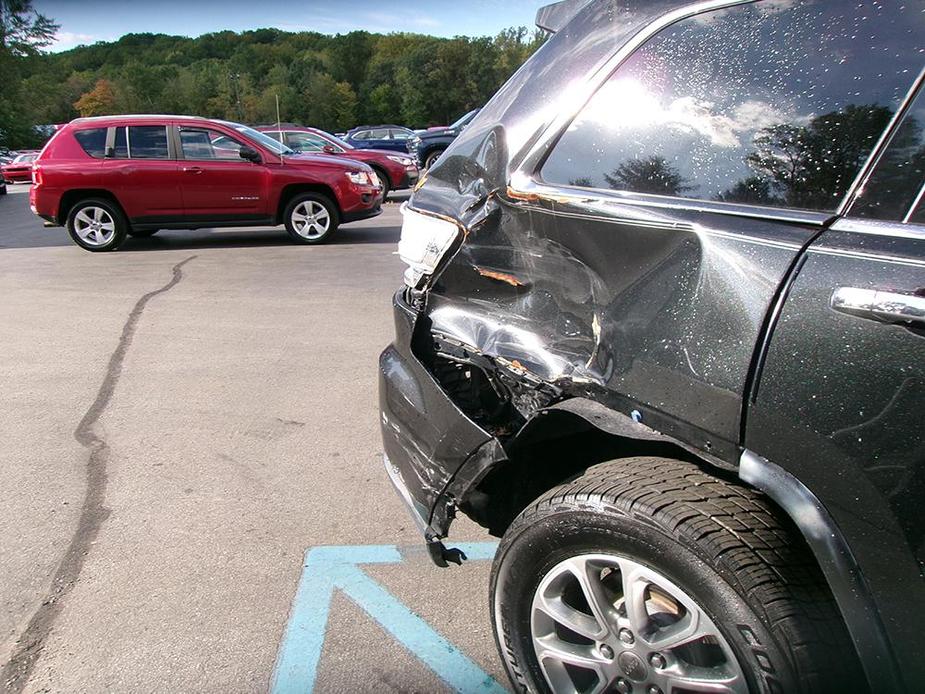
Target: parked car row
pixel 110 177
pixel 396 171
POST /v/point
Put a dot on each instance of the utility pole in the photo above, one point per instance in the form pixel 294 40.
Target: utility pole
pixel 235 76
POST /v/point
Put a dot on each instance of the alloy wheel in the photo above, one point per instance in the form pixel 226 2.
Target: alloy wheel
pixel 95 226
pixel 311 220
pixel 605 623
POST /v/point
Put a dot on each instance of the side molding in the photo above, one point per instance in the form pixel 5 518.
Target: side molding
pixel 837 563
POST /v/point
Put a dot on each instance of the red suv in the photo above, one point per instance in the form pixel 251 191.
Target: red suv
pixel 396 171
pixel 106 178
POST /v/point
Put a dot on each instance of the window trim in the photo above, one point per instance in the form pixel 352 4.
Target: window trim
pixel 883 144
pixel 531 183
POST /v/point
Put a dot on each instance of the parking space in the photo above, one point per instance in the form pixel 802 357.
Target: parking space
pixel 183 420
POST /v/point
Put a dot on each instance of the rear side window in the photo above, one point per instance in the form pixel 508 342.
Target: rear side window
pixel 148 142
pixel 895 187
pixel 93 141
pixel 774 103
pixel 379 134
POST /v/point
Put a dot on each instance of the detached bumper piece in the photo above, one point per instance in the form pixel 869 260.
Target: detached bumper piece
pixel 428 441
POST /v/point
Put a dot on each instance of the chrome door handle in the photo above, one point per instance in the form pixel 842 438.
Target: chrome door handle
pixel 192 169
pixel 886 307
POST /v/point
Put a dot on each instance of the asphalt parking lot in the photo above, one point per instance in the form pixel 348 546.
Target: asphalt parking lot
pixel 181 422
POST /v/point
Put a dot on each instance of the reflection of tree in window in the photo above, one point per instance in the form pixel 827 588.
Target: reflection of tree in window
pixel 810 166
pixel 650 175
pixel 895 183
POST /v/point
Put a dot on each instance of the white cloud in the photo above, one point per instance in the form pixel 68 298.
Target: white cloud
pixel 65 40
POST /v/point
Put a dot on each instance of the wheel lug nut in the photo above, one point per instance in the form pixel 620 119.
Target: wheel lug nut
pixel 623 686
pixel 606 651
pixel 657 660
pixel 653 690
pixel 626 636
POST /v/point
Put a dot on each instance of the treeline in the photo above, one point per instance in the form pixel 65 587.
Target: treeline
pixel 333 82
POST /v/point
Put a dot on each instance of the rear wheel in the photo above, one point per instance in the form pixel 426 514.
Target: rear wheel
pixel 311 218
pixel 649 575
pixel 97 224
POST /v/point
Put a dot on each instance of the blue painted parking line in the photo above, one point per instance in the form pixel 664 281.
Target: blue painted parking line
pixel 330 569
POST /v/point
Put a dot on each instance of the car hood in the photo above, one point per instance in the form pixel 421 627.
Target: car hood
pixel 326 160
pixel 442 132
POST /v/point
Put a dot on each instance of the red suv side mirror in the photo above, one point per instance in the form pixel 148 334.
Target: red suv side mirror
pixel 250 154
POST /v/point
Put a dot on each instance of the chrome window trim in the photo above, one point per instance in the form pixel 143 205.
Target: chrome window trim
pixel 860 181
pixel 879 227
pixel 528 186
pixel 915 205
pixel 532 162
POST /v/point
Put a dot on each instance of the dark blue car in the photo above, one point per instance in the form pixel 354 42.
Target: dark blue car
pixel 393 137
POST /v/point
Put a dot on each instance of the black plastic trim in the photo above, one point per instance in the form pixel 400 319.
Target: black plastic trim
pixel 837 562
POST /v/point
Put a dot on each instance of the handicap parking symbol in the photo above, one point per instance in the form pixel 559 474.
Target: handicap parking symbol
pixel 330 569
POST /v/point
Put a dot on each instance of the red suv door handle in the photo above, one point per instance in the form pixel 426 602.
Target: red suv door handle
pixel 192 169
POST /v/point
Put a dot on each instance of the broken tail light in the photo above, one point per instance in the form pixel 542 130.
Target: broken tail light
pixel 425 240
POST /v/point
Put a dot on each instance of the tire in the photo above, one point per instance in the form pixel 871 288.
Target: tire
pixel 386 184
pixel 142 233
pixel 298 218
pixel 691 544
pixel 83 217
pixel 432 157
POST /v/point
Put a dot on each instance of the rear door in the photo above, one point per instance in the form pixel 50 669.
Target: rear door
pixel 141 169
pixel 841 399
pixel 218 185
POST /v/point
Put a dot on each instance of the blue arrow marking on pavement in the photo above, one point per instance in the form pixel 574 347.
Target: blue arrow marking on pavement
pixel 336 568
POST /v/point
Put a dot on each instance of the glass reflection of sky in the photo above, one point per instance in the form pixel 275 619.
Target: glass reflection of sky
pixel 699 92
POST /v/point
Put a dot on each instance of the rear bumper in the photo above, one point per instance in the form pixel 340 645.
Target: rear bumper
pixel 434 453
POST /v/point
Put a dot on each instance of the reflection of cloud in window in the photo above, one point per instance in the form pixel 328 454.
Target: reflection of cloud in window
pixel 628 105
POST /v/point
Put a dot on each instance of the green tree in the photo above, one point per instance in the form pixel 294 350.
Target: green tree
pixel 23 33
pixel 651 175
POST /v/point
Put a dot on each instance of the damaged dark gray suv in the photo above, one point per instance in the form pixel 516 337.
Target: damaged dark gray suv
pixel 663 330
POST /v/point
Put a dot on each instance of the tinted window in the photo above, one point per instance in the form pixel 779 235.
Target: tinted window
pixel 892 189
pixel 120 145
pixel 361 135
pixel 93 141
pixel 775 103
pixel 202 143
pixel 147 142
pixel 400 134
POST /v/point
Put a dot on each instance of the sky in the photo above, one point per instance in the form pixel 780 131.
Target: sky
pixel 88 21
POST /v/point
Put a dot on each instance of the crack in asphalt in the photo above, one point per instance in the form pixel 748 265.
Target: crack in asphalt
pixel 16 673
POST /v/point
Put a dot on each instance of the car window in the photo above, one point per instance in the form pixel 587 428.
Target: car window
pixel 204 143
pixel 378 134
pixel 400 134
pixel 93 141
pixel 141 142
pixel 120 144
pixel 306 142
pixel 361 135
pixel 773 103
pixel 24 158
pixel 894 186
